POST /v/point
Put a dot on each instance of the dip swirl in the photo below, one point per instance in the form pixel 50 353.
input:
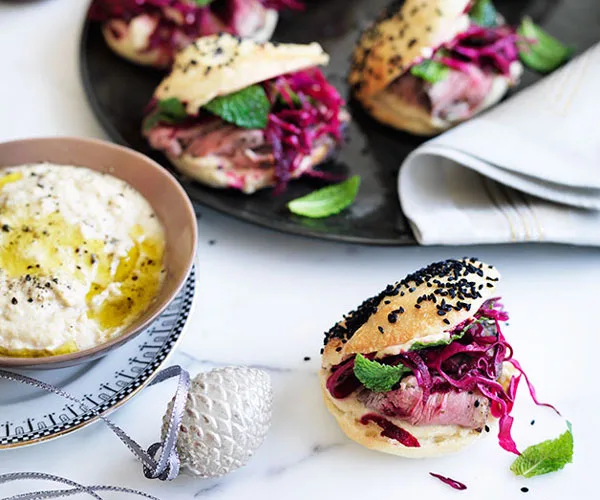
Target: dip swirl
pixel 81 257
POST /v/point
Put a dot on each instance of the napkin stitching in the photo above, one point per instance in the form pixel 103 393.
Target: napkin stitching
pixel 490 189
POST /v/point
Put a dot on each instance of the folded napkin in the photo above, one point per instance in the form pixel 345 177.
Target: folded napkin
pixel 527 170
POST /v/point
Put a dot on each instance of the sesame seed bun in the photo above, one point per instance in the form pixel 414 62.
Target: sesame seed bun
pixel 406 31
pixel 434 440
pixel 135 36
pixel 218 172
pixel 219 65
pixel 426 304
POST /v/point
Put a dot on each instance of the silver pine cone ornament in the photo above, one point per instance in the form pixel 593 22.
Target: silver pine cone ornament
pixel 226 418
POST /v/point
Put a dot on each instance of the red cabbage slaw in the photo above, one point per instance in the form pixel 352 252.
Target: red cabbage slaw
pixel 472 361
pixel 491 49
pixel 311 110
pixel 181 19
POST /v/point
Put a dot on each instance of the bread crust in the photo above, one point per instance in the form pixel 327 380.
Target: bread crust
pixel 419 307
pixel 132 45
pixel 406 32
pixel 221 64
pixel 216 172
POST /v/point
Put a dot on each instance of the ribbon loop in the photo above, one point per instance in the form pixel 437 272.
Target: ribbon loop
pixel 165 468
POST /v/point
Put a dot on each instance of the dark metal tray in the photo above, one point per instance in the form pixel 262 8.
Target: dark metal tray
pixel 118 92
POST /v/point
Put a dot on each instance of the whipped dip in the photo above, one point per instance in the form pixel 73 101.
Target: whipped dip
pixel 81 257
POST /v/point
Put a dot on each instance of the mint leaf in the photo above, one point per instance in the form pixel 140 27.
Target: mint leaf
pixel 201 3
pixel 542 52
pixel 376 376
pixel 169 110
pixel 417 346
pixel 247 108
pixel 438 343
pixel 327 201
pixel 430 71
pixel 172 107
pixel 545 457
pixel 484 13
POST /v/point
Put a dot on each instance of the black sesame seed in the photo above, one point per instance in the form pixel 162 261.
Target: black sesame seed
pixel 14 301
pixel 412 43
pixel 487 428
pixel 338 349
pixel 524 489
pixel 380 328
pixel 392 317
pixel 387 302
pixel 417 306
pixel 476 403
pixel 5 228
pixel 446 321
pixel 306 358
pixel 29 299
pixel 532 422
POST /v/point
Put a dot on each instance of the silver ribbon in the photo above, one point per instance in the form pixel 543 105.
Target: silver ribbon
pixel 165 468
pixel 75 489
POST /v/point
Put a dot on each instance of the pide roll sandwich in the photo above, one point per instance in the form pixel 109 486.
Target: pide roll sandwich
pixel 422 368
pixel 150 32
pixel 424 66
pixel 238 114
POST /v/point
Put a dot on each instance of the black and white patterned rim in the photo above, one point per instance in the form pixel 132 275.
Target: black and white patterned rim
pixel 155 345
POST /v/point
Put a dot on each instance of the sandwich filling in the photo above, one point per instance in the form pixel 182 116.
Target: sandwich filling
pixel 303 115
pixel 167 26
pixel 462 75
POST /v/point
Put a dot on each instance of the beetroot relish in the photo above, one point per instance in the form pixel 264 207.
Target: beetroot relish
pixel 391 430
pixel 473 361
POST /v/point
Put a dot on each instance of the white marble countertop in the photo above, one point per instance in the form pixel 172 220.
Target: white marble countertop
pixel 265 300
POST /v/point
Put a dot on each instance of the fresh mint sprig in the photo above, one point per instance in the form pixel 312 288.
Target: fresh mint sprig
pixel 327 201
pixel 484 13
pixel 539 50
pixel 545 457
pixel 376 376
pixel 431 71
pixel 169 111
pixel 247 108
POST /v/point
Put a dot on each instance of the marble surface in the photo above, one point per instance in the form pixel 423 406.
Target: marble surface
pixel 265 300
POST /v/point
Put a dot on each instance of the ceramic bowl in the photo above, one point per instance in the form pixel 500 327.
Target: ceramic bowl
pixel 168 199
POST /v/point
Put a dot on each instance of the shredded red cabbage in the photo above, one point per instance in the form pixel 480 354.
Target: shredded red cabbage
pixel 305 108
pixel 180 21
pixel 473 361
pixel 457 485
pixel 492 50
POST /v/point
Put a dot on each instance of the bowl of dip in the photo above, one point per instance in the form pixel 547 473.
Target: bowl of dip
pixel 95 242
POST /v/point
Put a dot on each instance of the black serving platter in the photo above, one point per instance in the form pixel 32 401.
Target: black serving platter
pixel 118 92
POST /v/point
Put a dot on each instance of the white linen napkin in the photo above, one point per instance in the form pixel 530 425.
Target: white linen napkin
pixel 527 170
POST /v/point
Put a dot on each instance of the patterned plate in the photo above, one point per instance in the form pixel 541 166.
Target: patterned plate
pixel 29 416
